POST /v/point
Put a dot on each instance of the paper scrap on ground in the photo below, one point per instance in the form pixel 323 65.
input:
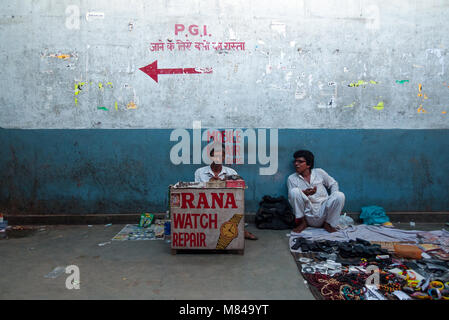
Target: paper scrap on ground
pixel 55 273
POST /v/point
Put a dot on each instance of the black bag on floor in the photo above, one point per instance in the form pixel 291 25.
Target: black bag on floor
pixel 275 213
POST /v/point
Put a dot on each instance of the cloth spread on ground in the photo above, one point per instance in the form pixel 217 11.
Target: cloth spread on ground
pixel 365 232
pixel 134 232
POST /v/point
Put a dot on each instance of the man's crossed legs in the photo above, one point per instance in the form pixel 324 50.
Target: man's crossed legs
pixel 328 216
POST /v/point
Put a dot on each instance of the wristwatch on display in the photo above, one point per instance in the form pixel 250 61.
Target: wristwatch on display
pixel 229 231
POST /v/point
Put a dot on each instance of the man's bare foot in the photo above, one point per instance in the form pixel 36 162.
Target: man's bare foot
pixel 329 228
pixel 299 228
pixel 250 236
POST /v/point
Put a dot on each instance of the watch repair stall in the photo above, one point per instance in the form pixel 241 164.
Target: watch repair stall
pixel 208 216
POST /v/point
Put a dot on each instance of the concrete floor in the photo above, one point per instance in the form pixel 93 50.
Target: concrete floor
pixel 145 269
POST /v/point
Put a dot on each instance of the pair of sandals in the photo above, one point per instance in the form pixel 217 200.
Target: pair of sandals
pixel 318 246
pixel 351 249
pixel 300 243
pixel 327 246
pixel 360 248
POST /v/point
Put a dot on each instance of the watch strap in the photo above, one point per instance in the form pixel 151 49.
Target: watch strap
pixel 236 218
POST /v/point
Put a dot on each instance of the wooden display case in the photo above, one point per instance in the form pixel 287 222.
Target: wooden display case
pixel 207 218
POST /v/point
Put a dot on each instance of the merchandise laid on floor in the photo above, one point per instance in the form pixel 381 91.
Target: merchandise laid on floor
pixel 373 263
pixel 135 232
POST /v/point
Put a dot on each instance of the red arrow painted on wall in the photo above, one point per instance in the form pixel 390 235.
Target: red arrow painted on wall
pixel 153 71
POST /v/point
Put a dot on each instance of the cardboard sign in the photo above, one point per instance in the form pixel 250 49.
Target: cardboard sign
pixel 207 218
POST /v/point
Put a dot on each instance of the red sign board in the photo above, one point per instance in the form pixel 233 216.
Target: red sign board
pixel 207 218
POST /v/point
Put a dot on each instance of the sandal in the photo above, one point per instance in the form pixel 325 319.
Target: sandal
pixel 250 236
pixel 298 242
pixel 312 246
pixel 362 241
pixel 324 247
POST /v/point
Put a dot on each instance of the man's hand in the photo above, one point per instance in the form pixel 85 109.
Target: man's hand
pixel 309 191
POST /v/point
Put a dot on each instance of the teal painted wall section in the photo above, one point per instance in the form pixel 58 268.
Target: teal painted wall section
pixel 128 171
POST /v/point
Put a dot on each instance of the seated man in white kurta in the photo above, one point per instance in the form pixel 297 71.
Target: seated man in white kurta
pixel 213 172
pixel 307 193
pixel 217 171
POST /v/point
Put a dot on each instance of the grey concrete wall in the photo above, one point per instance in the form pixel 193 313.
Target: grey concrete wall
pixel 306 64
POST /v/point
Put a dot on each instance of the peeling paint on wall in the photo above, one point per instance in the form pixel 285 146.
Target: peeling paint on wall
pixel 64 56
pixel 232 35
pixel 94 16
pixel 78 89
pixel 420 94
pixel 373 17
pixel 268 69
pixel 379 106
pixel 361 83
pixel 437 53
pixel 279 27
pixel 60 56
pixel 131 105
pixel 421 109
pixel 423 96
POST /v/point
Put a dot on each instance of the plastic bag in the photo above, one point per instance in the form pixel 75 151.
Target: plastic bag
pixel 345 221
pixel 374 215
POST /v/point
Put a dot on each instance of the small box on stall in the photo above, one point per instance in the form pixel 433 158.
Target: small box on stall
pixel 235 184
